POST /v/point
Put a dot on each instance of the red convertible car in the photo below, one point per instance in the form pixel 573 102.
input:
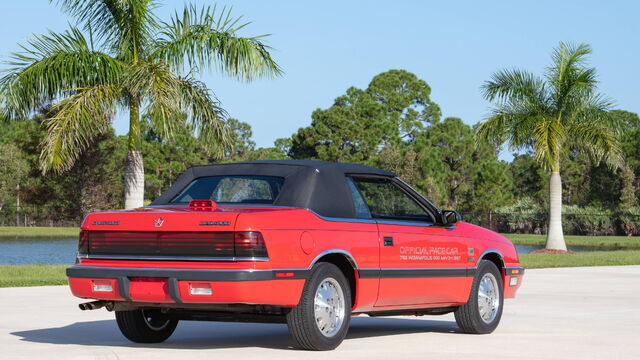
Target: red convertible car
pixel 306 243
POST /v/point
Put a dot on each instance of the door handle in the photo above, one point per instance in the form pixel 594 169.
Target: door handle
pixel 388 241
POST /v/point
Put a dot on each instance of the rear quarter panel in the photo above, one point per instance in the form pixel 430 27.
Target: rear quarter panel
pixel 296 238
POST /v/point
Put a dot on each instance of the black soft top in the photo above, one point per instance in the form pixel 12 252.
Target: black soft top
pixel 316 185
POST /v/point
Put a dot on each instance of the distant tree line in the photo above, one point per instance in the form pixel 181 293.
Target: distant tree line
pixel 391 124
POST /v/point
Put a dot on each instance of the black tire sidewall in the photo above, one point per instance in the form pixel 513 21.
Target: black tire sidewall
pixel 320 272
pixel 484 268
pixel 134 327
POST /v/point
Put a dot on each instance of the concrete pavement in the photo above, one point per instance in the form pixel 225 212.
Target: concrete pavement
pixel 564 313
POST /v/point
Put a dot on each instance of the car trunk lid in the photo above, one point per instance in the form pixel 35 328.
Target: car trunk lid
pixel 169 233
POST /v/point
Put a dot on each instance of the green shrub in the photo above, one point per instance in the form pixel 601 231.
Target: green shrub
pixel 629 221
pixel 523 217
pixel 527 217
pixel 588 220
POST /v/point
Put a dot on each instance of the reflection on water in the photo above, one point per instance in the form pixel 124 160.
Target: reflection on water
pixel 41 250
pixel 525 249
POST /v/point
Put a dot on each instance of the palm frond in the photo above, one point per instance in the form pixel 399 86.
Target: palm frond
pixel 549 137
pixel 595 130
pixel 205 115
pixel 75 122
pixel 99 17
pixel 53 66
pixel 515 86
pixel 511 122
pixel 160 89
pixel 566 58
pixel 567 76
pixel 494 129
pixel 126 27
pixel 599 141
pixel 203 39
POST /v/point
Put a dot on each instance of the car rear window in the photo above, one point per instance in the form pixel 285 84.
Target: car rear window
pixel 232 189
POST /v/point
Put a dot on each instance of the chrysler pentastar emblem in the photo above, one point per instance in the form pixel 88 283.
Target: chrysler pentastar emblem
pixel 158 222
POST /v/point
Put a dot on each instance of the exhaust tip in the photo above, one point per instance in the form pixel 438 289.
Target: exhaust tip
pixel 93 305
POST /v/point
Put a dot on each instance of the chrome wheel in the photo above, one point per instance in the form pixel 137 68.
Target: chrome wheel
pixel 329 307
pixel 153 321
pixel 488 298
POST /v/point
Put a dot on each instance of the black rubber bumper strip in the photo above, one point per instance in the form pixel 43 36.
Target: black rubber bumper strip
pixel 414 273
pixel 98 272
pixel 174 292
pixel 123 287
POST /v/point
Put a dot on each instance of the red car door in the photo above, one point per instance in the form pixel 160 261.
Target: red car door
pixel 420 261
pixel 421 264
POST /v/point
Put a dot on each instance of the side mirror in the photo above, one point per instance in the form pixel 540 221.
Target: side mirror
pixel 451 217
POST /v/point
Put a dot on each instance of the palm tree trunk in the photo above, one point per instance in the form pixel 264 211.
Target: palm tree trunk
pixel 555 236
pixel 134 167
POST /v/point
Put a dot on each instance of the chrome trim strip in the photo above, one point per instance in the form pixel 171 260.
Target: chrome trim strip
pixel 334 251
pixel 173 258
pixel 372 220
pixel 335 219
pixel 404 222
pixel 489 251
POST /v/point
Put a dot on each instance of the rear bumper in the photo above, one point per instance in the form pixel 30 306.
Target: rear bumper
pixel 160 285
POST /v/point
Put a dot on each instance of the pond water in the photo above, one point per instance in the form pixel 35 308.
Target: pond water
pixel 54 250
pixel 41 250
pixel 525 249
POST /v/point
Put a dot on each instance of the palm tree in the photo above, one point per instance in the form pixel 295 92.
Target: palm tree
pixel 129 60
pixel 550 116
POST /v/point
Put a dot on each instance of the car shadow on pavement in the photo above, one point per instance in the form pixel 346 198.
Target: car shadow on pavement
pixel 211 335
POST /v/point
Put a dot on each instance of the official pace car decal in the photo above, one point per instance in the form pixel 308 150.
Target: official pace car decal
pixel 429 253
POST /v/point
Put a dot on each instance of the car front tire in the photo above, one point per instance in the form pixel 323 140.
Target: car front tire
pixel 482 312
pixel 145 326
pixel 321 319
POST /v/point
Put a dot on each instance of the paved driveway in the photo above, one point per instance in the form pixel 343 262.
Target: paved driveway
pixel 567 313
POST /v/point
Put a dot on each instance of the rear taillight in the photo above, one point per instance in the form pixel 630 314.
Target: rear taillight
pixel 249 244
pixel 219 244
pixel 83 242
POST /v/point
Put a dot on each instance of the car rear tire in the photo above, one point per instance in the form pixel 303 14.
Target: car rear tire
pixel 321 319
pixel 145 326
pixel 482 312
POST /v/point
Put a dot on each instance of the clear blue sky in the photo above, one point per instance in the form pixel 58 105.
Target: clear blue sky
pixel 327 46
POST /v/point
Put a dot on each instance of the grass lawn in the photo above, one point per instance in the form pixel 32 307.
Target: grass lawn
pixel 592 258
pixel 17 232
pixel 621 242
pixel 32 275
